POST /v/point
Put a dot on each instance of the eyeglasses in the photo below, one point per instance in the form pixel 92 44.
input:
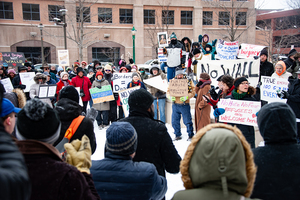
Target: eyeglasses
pixel 107 70
pixel 245 83
pixel 46 68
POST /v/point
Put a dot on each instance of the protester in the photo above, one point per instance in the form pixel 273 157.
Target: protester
pixel 202 108
pixel 123 70
pixel 182 107
pixel 84 83
pixel 203 40
pixel 7 115
pixel 154 143
pixel 296 66
pixel 39 79
pixel 108 75
pixel 43 161
pixel 187 44
pixel 49 80
pixel 53 73
pixel 197 56
pixel 290 60
pixel 11 74
pixel 17 80
pixel 2 73
pixel 84 66
pixel 137 180
pixel 278 161
pixel 17 97
pixel 143 73
pixel 280 71
pixel 133 68
pixel 266 68
pixel 244 92
pixel 136 82
pixel 64 81
pixel 68 109
pixel 218 164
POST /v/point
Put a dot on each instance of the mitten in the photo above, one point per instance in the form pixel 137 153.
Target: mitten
pixel 183 99
pixel 195 62
pixel 214 42
pixel 218 112
pixel 99 86
pixel 79 154
pixel 285 94
pixel 200 38
pixel 199 83
pixel 92 114
pixel 164 50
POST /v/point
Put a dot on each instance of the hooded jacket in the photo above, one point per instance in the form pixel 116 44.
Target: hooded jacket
pixel 279 160
pixel 218 164
pixel 284 74
pixel 154 91
pixel 34 89
pixel 189 44
pixel 176 54
pixel 143 74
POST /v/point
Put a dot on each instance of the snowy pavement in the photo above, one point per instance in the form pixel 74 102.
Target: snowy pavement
pixel 174 180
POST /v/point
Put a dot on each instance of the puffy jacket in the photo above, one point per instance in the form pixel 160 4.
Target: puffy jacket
pixel 104 105
pixel 176 52
pixel 77 82
pixel 34 89
pixel 118 177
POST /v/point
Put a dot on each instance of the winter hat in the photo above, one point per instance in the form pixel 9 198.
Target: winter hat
pixel 173 35
pixel 154 67
pixel 38 121
pixel 84 62
pixel 121 138
pixel 63 73
pixel 140 99
pixel 27 64
pixel 11 71
pixel 8 107
pixel 135 74
pixel 204 76
pixel 79 69
pixel 107 67
pixel 196 51
pixel 96 62
pixel 292 52
pixel 133 67
pixel 22 68
pixel 123 68
pixel 264 52
pixel 209 46
pixel 60 69
pixel 47 73
pixel 239 81
pixel 99 73
pixel 179 72
pixel 69 92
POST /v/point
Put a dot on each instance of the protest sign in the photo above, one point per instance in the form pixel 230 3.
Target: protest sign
pixel 80 100
pixel 124 95
pixel 239 112
pixel 158 83
pixel 269 88
pixel 12 59
pixel 178 87
pixel 63 58
pixel 102 95
pixel 7 84
pixel 227 50
pixel 47 91
pixel 249 50
pixel 27 79
pixel 162 38
pixel 120 81
pixel 235 68
pixel 161 56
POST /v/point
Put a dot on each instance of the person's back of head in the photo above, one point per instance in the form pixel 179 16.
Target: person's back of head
pixel 140 101
pixel 277 124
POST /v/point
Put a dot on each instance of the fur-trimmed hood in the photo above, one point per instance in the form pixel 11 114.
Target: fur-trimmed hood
pixel 21 97
pixel 219 158
pixel 40 75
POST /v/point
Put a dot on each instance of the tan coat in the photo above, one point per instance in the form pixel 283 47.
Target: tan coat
pixel 202 108
pixel 191 94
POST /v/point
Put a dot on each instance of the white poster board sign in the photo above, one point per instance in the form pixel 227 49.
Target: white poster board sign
pixel 80 100
pixel 250 50
pixel 227 50
pixel 47 91
pixel 63 58
pixel 27 79
pixel 120 81
pixel 239 112
pixel 162 38
pixel 161 56
pixel 269 88
pixel 124 95
pixel 7 84
pixel 158 83
pixel 235 68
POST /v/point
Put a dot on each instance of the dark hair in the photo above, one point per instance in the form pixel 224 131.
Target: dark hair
pixel 251 90
pixel 228 80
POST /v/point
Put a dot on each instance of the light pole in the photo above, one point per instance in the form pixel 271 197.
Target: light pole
pixel 41 26
pixel 133 42
pixel 63 13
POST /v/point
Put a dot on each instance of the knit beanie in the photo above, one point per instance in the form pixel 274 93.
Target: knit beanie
pixel 239 81
pixel 135 74
pixel 196 51
pixel 140 99
pixel 79 69
pixel 121 138
pixel 204 76
pixel 264 52
pixel 11 71
pixel 99 73
pixel 107 67
pixel 179 72
pixel 63 73
pixel 69 92
pixel 38 121
pixel 173 35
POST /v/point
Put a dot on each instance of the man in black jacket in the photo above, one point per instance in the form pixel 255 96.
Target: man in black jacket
pixel 290 60
pixel 154 142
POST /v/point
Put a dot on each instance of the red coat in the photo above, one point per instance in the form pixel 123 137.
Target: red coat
pixel 77 82
pixel 60 85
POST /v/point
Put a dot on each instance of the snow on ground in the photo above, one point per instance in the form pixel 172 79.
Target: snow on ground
pixel 174 180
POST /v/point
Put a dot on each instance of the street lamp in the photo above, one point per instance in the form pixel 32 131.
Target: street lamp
pixel 133 31
pixel 63 13
pixel 41 26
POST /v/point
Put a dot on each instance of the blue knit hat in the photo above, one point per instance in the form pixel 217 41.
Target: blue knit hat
pixel 121 138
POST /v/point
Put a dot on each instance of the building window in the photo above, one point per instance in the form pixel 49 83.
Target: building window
pixel 207 17
pixel 263 24
pixel 168 17
pixel 86 14
pixel 290 22
pixel 6 10
pixel 104 15
pixel 224 18
pixel 54 12
pixel 149 16
pixel 31 11
pixel 126 16
pixel 186 17
pixel 34 55
pixel 241 18
pixel 111 55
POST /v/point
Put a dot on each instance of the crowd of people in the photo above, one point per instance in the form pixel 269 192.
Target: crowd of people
pixel 47 143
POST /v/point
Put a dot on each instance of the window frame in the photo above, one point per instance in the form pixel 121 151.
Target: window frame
pixel 238 18
pixel 107 17
pixel 31 12
pixel 168 17
pixel 56 13
pixel 86 17
pixel 148 17
pixel 4 11
pixel 127 18
pixel 205 18
pixel 219 22
pixel 116 50
pixel 186 18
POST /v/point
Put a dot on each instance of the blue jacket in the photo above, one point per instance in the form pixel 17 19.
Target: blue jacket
pixel 139 83
pixel 118 177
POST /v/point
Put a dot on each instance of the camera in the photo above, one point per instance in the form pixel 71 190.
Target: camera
pixel 82 93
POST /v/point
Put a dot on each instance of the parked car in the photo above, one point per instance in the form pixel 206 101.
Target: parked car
pixel 147 65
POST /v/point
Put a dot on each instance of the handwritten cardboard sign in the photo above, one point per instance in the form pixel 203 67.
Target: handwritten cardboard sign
pixel 63 58
pixel 27 78
pixel 178 87
pixel 250 50
pixel 101 95
pixel 227 50
pixel 6 82
pixel 269 88
pixel 47 91
pixel 124 95
pixel 158 83
pixel 120 81
pixel 239 112
pixel 12 59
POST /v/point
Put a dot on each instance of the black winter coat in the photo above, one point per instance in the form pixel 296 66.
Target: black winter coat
pixel 288 62
pixel 154 142
pixel 69 110
pixel 294 98
pixel 118 177
pixel 266 69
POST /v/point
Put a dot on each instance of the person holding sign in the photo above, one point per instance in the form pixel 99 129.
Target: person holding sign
pixel 182 107
pixel 64 81
pixel 280 71
pixel 136 81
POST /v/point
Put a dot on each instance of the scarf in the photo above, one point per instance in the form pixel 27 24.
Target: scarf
pixel 66 83
pixel 237 95
pixel 205 82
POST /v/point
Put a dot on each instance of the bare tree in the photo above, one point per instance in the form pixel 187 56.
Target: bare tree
pixel 295 4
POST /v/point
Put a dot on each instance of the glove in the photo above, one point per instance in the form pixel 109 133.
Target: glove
pixel 36 97
pixel 218 112
pixel 255 57
pixel 92 114
pixel 183 66
pixel 195 62
pixel 200 38
pixel 79 154
pixel 214 42
pixel 183 99
pixel 285 94
pixel 213 92
pixel 172 98
pixel 22 87
pixel 99 86
pixel 199 83
pixel 164 50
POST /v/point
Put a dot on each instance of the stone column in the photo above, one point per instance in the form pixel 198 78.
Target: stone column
pixel 138 23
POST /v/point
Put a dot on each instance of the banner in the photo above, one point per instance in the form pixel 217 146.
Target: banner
pixel 158 83
pixel 101 95
pixel 124 95
pixel 249 50
pixel 239 112
pixel 227 50
pixel 7 84
pixel 269 88
pixel 12 59
pixel 235 68
pixel 178 87
pixel 27 79
pixel 162 38
pixel 161 56
pixel 63 58
pixel 47 91
pixel 120 81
